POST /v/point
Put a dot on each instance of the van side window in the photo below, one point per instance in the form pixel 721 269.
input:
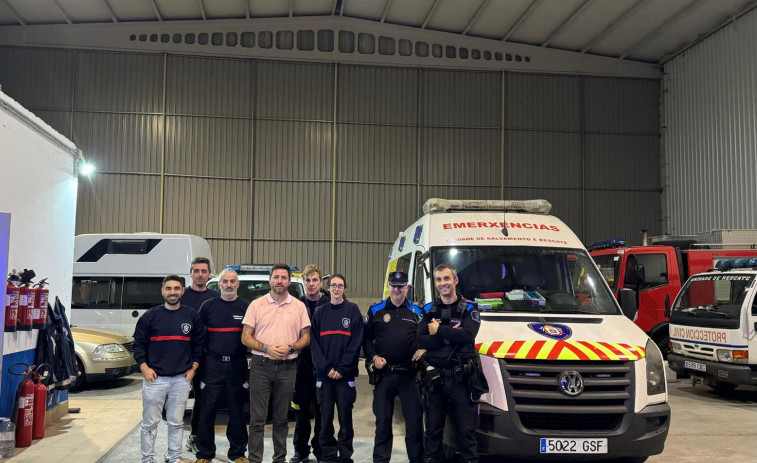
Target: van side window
pixel 419 278
pixel 93 293
pixel 139 293
pixel 655 270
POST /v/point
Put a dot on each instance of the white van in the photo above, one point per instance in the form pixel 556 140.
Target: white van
pixel 712 326
pixel 570 376
pixel 118 276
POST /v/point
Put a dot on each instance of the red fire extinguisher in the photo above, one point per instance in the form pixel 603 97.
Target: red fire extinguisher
pixel 40 401
pixel 40 309
pixel 12 295
pixel 25 302
pixel 23 413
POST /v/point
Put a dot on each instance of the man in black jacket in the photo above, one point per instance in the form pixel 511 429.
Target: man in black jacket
pixel 168 342
pixel 448 331
pixel 304 386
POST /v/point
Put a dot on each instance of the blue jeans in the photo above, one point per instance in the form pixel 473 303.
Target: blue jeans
pixel 171 392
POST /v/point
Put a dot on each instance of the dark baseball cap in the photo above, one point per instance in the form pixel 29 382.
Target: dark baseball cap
pixel 397 279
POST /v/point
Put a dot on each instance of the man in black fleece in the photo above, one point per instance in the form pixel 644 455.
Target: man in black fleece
pixel 168 342
pixel 337 335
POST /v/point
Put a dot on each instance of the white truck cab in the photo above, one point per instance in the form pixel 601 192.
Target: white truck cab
pixel 570 376
pixel 712 326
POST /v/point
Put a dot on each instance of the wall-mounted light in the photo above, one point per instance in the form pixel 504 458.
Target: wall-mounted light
pixel 84 167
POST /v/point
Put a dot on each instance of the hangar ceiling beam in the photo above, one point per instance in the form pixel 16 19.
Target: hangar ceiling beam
pixel 387 5
pixel 475 16
pixel 63 12
pixel 567 21
pixel 157 11
pixel 526 13
pixel 599 36
pixel 291 8
pixel 665 24
pixel 429 14
pixel 246 6
pixel 202 10
pixel 110 11
pixel 15 14
pixel 341 8
pixel 333 7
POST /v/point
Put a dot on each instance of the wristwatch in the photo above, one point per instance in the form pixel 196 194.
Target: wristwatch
pixel 291 349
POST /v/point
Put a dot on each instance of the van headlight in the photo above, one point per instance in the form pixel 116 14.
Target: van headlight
pixel 655 370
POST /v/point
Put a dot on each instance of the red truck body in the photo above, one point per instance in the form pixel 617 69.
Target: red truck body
pixel 665 269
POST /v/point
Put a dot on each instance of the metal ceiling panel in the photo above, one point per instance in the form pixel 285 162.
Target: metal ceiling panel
pixel 213 147
pixel 543 102
pixel 453 15
pixel 229 252
pixel 23 74
pixel 82 11
pixel 105 204
pixel 367 9
pixel 616 162
pixel 461 99
pixel 373 212
pixel 225 206
pixel 6 16
pixel 126 82
pixel 209 86
pixel 120 142
pixel 178 10
pixel 37 11
pixel 460 156
pixel 499 18
pixel 291 210
pixel 293 150
pixel 381 95
pixel 621 105
pixel 409 13
pixel 269 8
pixel 374 153
pixel 294 91
pixel 542 159
pixel 134 10
pixel 225 9
pixel 590 23
pixel 544 18
pixel 312 7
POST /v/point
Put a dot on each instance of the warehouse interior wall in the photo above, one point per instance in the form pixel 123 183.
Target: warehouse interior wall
pixel 326 163
pixel 709 132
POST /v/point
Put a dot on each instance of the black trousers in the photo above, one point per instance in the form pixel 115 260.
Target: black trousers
pixel 224 383
pixel 304 397
pixel 452 395
pixel 390 386
pixel 196 380
pixel 343 395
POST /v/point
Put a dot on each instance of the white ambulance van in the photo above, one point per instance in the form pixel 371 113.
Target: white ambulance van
pixel 712 326
pixel 118 276
pixel 570 376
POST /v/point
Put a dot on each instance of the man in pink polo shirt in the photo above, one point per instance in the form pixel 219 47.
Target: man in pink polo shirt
pixel 276 327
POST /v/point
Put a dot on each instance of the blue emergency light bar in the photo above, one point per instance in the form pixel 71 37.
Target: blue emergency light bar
pixel 606 244
pixel 726 264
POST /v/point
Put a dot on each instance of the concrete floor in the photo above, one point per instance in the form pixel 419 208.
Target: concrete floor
pixel 705 427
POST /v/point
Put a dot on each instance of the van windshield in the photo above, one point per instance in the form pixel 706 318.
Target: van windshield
pixel 711 300
pixel 528 279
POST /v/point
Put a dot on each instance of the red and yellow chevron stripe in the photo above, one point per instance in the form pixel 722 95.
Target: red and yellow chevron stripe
pixel 560 350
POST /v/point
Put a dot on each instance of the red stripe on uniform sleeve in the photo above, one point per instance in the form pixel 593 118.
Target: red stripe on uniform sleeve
pixel 170 338
pixel 226 330
pixel 326 333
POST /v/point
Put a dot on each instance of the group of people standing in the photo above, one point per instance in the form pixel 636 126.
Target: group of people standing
pixel 305 352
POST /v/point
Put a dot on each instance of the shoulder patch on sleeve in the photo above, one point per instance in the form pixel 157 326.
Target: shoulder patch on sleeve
pixel 378 305
pixel 427 307
pixel 475 316
pixel 418 311
pixel 469 305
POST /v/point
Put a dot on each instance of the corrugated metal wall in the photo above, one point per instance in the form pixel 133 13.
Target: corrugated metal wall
pixel 317 163
pixel 710 146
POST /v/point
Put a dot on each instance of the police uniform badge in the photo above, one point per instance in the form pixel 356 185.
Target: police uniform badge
pixel 387 318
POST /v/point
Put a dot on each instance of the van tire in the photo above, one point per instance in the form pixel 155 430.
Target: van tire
pixel 664 346
pixel 81 375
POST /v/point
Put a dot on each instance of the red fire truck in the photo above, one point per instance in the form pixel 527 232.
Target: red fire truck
pixel 657 271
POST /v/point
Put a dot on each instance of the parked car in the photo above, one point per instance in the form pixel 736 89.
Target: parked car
pixel 102 355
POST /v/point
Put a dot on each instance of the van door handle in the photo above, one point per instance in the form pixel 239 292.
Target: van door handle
pixel 135 314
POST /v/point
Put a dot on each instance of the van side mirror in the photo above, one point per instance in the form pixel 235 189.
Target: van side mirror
pixel 627 299
pixel 667 306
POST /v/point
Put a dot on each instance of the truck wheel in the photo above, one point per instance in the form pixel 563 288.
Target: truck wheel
pixel 664 345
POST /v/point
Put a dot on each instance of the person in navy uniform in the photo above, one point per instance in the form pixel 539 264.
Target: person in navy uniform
pixel 224 371
pixel 304 384
pixel 391 349
pixel 448 332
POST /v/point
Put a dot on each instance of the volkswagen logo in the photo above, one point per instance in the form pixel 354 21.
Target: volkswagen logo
pixel 571 383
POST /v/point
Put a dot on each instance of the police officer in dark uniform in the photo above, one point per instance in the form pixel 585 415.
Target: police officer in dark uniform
pixel 448 332
pixel 391 350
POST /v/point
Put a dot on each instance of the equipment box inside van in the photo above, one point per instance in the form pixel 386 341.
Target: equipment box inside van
pixel 570 376
pixel 117 277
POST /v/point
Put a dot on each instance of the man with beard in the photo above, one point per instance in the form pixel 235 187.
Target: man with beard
pixel 448 333
pixel 304 387
pixel 276 327
pixel 224 370
pixel 168 342
pixel 194 296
